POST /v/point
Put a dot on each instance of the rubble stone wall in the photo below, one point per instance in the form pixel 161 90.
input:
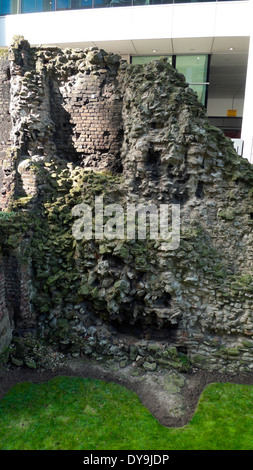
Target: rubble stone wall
pixel 5 324
pixel 84 124
pixel 5 126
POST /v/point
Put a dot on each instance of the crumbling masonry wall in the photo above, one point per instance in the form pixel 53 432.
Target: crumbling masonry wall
pixel 85 123
pixel 61 104
pixel 88 122
pixel 5 126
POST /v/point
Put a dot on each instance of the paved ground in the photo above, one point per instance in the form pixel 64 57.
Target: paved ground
pixel 170 396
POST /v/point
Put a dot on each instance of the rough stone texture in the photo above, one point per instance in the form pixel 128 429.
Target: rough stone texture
pixel 84 124
pixel 5 126
pixel 95 123
pixel 5 325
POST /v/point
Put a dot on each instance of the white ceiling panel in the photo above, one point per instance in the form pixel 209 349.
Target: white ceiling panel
pixel 230 59
pixel 148 46
pixel 192 45
pixel 223 44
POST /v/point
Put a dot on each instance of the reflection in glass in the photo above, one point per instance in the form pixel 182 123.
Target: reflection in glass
pixel 9 7
pixel 101 3
pixel 28 6
pixel 48 5
pixel 120 3
pixel 63 4
pixel 141 2
pixel 45 5
pixel 79 4
pixel 193 1
pixel 151 2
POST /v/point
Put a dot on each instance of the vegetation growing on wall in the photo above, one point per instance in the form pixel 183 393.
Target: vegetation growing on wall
pixel 167 308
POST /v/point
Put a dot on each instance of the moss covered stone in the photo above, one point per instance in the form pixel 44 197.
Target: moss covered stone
pixel 99 296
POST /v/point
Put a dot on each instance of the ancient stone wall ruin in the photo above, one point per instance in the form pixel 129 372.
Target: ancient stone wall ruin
pixel 5 126
pixel 86 124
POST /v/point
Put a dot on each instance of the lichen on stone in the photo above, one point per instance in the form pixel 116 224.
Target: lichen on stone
pixel 87 124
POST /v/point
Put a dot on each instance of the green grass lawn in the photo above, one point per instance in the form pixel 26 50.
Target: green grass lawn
pixel 84 414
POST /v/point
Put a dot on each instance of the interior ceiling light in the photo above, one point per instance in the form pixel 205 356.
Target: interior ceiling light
pixel 231 48
pixel 154 50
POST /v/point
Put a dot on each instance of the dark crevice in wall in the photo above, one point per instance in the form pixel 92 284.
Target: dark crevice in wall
pixel 200 190
pixel 8 73
pixel 140 330
pixel 179 193
pixel 153 157
pixel 153 163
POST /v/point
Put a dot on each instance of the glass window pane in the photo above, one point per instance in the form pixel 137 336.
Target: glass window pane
pixel 45 5
pixel 141 2
pixel 151 2
pixel 28 6
pixel 80 4
pixel 9 7
pixel 148 58
pixel 63 4
pixel 101 3
pixel 193 1
pixel 39 5
pixel 120 3
pixel 194 68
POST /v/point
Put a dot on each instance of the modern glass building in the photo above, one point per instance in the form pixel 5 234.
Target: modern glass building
pixel 208 41
pixel 31 6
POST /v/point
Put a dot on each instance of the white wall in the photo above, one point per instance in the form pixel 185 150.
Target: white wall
pixel 219 106
pixel 194 20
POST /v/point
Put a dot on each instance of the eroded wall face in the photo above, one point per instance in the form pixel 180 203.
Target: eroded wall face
pixel 5 129
pixel 63 104
pixel 87 112
pixel 74 114
pixel 66 104
pixel 5 322
pixel 53 104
